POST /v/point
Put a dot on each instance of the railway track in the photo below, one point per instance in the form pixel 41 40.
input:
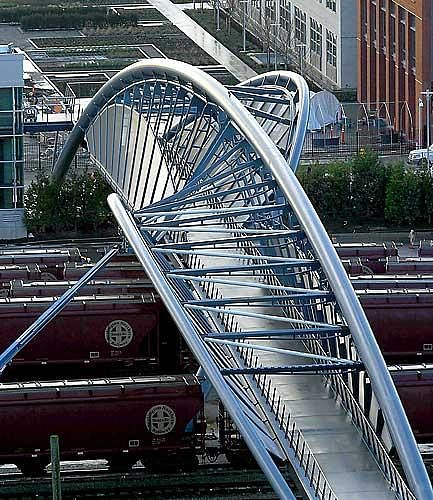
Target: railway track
pixel 205 483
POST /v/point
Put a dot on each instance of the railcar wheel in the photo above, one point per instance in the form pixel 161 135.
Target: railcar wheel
pixel 32 468
pixel 241 459
pixel 158 463
pixel 187 461
pixel 120 464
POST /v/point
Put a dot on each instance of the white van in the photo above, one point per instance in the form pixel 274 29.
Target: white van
pixel 417 156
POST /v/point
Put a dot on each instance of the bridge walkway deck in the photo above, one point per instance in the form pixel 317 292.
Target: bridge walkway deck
pixel 337 445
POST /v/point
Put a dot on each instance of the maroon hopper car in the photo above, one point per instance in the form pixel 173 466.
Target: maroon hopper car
pixel 118 270
pixel 415 387
pixel 410 266
pixel 90 332
pixel 369 251
pixel 401 321
pixel 392 282
pixel 154 419
pixel 357 266
pixel 48 256
pixel 21 288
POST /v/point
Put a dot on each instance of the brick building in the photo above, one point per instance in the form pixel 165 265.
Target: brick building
pixel 394 56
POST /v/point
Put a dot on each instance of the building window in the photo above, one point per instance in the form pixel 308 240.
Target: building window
pixel 363 11
pixel 315 37
pixel 331 4
pixel 402 34
pixel 412 43
pixel 6 99
pixel 285 13
pixel 270 10
pixel 382 25
pixel 392 39
pixel 373 33
pixel 300 25
pixel 331 48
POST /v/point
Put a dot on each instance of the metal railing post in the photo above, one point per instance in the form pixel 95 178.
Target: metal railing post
pixel 55 468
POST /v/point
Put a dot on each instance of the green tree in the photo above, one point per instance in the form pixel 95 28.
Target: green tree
pixel 78 204
pixel 368 186
pixel 404 196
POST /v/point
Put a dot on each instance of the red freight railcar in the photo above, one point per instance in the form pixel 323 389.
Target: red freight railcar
pixel 91 331
pixel 415 387
pixel 357 266
pixel 153 419
pixel 20 288
pixel 401 321
pixel 392 282
pixel 13 272
pixel 369 251
pixel 410 266
pixel 119 270
pixel 49 256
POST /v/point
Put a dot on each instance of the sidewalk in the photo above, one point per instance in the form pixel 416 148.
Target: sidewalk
pixel 202 38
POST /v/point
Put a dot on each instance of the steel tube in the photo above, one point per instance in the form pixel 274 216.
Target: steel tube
pixel 251 437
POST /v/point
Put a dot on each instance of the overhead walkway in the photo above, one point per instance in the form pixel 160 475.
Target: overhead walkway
pixel 209 203
pixel 321 422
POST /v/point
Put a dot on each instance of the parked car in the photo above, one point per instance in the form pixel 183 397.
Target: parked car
pixel 419 156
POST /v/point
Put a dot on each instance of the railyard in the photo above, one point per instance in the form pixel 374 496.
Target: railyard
pixel 223 326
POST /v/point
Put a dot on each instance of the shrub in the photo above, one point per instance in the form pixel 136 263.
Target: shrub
pixel 362 190
pixel 78 204
pixel 404 196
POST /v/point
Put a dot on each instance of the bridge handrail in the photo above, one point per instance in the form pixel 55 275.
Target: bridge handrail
pixel 293 435
pixel 369 435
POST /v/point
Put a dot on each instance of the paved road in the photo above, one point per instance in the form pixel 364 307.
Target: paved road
pixel 205 40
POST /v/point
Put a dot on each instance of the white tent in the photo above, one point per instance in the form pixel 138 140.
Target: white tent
pixel 325 109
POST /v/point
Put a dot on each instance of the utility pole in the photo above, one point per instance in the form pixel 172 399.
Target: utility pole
pixel 217 15
pixel 420 106
pixel 55 468
pixel 244 25
pixel 428 94
pixel 275 25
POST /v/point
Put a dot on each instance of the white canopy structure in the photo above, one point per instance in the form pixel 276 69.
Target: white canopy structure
pixel 325 109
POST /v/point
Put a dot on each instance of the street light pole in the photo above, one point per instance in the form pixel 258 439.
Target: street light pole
pixel 420 106
pixel 244 25
pixel 275 25
pixel 428 94
pixel 217 5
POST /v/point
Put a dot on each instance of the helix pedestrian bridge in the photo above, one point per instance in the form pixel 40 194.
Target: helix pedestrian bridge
pixel 205 193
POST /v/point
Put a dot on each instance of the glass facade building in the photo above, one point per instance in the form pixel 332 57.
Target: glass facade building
pixel 11 144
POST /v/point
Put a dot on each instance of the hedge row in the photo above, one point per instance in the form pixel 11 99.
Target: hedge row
pixel 364 191
pixel 79 204
pixel 59 17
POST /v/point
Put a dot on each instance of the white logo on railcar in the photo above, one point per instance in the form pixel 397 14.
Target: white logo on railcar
pixel 160 419
pixel 119 333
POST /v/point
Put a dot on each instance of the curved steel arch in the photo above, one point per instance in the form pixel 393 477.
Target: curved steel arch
pixel 154 232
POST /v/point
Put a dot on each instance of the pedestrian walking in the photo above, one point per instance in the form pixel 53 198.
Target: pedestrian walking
pixel 411 238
